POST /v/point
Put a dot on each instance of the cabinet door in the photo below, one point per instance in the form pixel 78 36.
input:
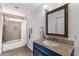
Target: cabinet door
pixel 43 51
pixel 37 51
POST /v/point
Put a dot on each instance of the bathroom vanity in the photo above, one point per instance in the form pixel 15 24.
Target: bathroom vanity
pixel 44 47
pixel 40 50
pixel 56 26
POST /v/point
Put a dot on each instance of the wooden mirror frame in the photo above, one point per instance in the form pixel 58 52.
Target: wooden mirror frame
pixel 65 35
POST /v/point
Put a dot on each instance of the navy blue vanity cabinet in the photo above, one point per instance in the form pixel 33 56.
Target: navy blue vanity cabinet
pixel 39 50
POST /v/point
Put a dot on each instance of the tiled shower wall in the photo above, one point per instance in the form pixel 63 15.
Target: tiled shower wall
pixel 11 30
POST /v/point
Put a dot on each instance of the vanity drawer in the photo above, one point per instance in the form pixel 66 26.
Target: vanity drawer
pixel 44 51
pixel 37 51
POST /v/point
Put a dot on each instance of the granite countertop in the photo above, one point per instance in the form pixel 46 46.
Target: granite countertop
pixel 62 49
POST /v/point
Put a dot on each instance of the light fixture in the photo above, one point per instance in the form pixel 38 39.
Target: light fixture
pixel 13 19
pixel 45 7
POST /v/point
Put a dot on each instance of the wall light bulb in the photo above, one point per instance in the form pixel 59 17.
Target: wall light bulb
pixel 45 7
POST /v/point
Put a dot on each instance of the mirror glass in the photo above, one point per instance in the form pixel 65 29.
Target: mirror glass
pixel 56 22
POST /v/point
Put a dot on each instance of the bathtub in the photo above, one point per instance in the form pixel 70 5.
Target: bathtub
pixel 13 44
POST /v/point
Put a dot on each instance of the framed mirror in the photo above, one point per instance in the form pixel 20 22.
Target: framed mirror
pixel 57 22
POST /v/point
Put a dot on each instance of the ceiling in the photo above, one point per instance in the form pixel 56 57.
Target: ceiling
pixel 19 8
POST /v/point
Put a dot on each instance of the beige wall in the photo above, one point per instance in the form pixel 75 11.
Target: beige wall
pixel 12 30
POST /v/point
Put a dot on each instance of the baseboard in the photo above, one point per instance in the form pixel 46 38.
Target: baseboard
pixel 30 47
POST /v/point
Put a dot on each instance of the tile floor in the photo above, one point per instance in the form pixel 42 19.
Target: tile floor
pixel 22 51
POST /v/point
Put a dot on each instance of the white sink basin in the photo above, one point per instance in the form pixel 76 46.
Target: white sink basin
pixel 50 43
